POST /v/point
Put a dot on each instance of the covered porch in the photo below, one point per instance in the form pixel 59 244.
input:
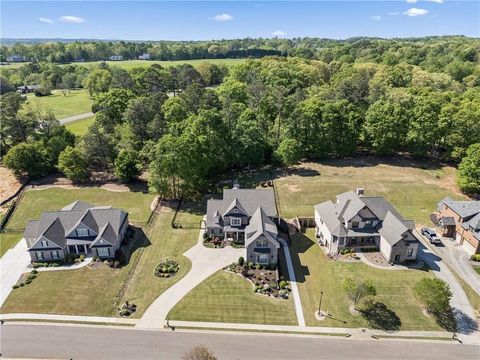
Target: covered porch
pixel 79 247
pixel 235 236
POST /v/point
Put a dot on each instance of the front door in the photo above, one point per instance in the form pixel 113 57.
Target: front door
pixel 397 258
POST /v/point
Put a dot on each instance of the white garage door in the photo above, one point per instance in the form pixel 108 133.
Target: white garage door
pixel 468 247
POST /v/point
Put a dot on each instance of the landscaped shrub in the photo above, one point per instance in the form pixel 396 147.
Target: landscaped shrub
pixel 33 271
pixel 475 257
pixel 241 261
pixel 15 286
pixel 283 284
pixel 167 268
pixel 28 281
pixel 53 264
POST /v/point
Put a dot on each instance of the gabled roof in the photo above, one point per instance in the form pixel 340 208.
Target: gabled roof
pixel 392 225
pixel 107 235
pixel 464 209
pixel 261 224
pixel 58 226
pixel 235 204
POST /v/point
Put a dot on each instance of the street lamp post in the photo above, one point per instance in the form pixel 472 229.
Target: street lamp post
pixel 320 304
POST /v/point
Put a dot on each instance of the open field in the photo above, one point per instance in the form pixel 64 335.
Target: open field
pixel 128 64
pixel 315 273
pixel 227 297
pixel 414 188
pixel 8 241
pixel 80 127
pixel 35 202
pixel 98 291
pixel 76 102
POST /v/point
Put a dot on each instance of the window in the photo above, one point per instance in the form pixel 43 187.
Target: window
pixel 103 252
pixel 410 252
pixel 262 243
pixel 334 238
pixel 39 255
pixel 55 255
pixel 354 224
pixel 82 232
pixel 341 241
pixel 44 243
pixel 235 221
pixel 368 222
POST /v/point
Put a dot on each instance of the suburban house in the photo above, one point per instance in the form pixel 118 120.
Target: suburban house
pixel 144 57
pixel 248 217
pixel 25 89
pixel 355 220
pixel 116 58
pixel 16 58
pixel 461 219
pixel 78 228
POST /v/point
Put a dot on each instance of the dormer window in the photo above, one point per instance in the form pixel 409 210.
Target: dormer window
pixel 235 221
pixel 82 232
pixel 44 243
pixel 354 224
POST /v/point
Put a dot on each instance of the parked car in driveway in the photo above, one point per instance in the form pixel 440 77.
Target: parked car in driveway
pixel 431 235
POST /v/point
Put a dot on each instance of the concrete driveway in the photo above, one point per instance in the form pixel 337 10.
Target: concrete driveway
pixel 13 264
pixel 205 262
pixel 463 311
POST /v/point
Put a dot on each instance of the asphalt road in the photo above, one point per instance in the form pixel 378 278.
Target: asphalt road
pixel 87 342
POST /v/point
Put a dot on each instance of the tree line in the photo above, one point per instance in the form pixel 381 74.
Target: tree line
pixel 272 110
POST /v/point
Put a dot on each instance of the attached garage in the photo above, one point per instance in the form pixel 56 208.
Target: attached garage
pixel 469 248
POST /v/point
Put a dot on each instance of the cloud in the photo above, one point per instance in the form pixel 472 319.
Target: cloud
pixel 412 1
pixel 72 19
pixel 393 13
pixel 278 33
pixel 45 20
pixel 376 17
pixel 436 1
pixel 415 12
pixel 223 17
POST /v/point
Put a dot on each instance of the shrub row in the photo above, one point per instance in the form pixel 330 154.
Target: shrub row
pixel 475 257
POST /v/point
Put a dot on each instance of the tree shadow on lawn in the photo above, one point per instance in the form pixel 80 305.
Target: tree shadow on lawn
pixel 300 244
pixel 464 324
pixel 379 316
pixel 400 160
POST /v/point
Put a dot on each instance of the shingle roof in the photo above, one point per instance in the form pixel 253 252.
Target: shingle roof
pixel 57 226
pixel 249 200
pixel 464 209
pixel 261 224
pixel 392 224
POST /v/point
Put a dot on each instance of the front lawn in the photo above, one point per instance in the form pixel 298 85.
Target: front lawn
pixel 76 102
pixel 98 292
pixel 8 241
pixel 35 202
pixel 315 273
pixel 227 297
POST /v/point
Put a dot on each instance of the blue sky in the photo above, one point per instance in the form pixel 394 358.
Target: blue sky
pixel 201 20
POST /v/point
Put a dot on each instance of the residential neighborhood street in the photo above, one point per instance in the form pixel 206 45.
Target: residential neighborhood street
pixel 82 342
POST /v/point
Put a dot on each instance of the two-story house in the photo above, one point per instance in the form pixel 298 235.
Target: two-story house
pixel 358 220
pixel 461 219
pixel 78 228
pixel 249 217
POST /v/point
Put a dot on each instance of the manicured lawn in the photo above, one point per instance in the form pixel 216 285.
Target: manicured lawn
pixel 315 273
pixel 8 241
pixel 413 190
pixel 128 64
pixel 76 102
pixel 80 127
pixel 477 269
pixel 37 201
pixel 99 291
pixel 226 297
pixel 166 242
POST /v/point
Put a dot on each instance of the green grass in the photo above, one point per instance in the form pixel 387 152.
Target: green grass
pixel 414 191
pixel 8 241
pixel 35 202
pixel 97 292
pixel 472 296
pixel 128 64
pixel 227 297
pixel 315 273
pixel 80 127
pixel 76 102
pixel 477 269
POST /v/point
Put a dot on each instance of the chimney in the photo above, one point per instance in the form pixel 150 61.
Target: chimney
pixel 360 191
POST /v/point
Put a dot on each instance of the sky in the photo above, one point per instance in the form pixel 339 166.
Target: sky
pixel 205 20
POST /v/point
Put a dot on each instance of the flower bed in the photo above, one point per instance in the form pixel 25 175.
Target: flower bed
pixel 237 245
pixel 265 280
pixel 167 268
pixel 216 242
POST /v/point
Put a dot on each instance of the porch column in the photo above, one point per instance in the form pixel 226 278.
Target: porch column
pixel 76 249
pixel 86 249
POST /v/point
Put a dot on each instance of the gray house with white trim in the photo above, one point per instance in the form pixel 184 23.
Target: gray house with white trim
pixel 247 217
pixel 78 228
pixel 355 220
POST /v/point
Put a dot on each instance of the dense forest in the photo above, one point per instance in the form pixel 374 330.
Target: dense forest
pixel 420 97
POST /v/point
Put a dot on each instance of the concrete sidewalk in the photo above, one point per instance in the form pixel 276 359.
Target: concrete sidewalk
pixel 12 265
pixel 68 318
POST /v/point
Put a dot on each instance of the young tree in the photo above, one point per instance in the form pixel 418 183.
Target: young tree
pixel 27 159
pixel 126 165
pixel 73 164
pixel 469 171
pixel 358 290
pixel 435 294
pixel 199 353
pixel 288 152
